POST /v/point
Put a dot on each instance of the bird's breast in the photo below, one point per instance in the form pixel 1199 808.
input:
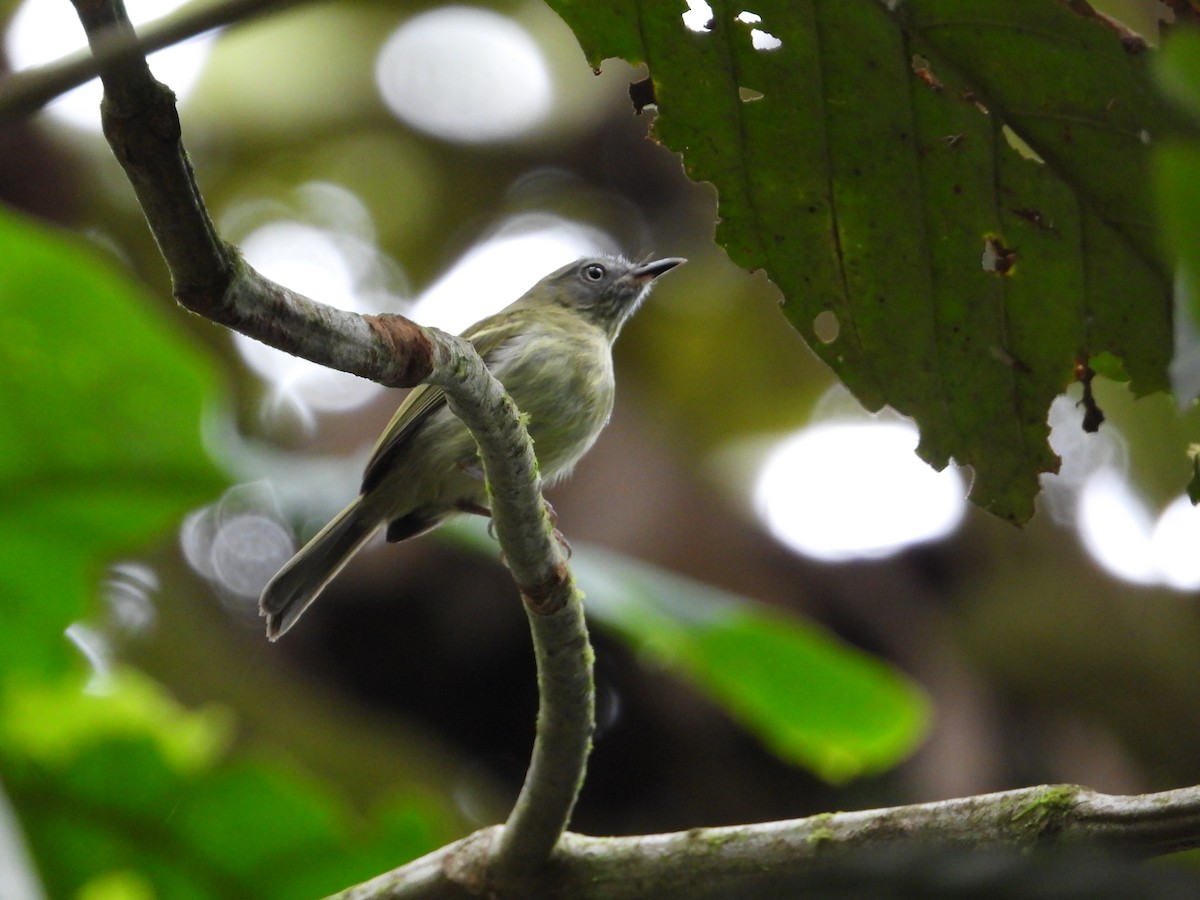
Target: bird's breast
pixel 562 381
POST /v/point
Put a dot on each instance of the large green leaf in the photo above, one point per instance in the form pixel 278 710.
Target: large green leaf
pixel 866 164
pixel 99 432
pixel 812 699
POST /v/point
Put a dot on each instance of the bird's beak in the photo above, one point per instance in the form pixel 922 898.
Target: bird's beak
pixel 654 269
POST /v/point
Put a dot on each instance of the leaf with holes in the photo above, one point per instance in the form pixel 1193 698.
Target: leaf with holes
pixel 954 198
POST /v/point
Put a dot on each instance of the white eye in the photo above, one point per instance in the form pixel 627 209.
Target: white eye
pixel 594 272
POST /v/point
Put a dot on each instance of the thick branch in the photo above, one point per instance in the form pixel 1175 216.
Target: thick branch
pixel 142 127
pixel 210 278
pixel 775 858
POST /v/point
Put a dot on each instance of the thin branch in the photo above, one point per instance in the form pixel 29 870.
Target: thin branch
pixel 566 717
pixel 24 93
pixel 210 278
pixel 750 861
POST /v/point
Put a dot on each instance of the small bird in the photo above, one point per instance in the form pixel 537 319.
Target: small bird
pixel 552 351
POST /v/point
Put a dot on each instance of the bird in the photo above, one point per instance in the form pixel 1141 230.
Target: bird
pixel 551 349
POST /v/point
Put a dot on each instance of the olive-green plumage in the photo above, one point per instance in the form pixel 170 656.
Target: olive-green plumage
pixel 552 351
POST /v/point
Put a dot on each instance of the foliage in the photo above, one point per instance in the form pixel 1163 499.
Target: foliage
pixel 100 450
pixel 955 214
pixel 1178 168
pixel 812 699
pixel 934 185
pixel 119 790
pixel 123 792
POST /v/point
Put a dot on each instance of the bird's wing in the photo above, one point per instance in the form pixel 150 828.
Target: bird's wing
pixel 422 402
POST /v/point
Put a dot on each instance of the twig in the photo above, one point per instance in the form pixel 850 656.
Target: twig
pixel 24 93
pixel 761 860
pixel 210 278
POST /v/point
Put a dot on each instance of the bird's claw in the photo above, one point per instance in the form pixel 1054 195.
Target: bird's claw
pixel 563 542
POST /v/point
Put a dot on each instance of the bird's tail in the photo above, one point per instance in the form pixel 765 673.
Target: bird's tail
pixel 303 578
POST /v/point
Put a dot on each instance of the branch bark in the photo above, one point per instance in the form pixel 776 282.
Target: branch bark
pixel 778 858
pixel 210 278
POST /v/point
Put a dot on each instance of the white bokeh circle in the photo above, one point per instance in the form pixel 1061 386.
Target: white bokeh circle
pixel 465 74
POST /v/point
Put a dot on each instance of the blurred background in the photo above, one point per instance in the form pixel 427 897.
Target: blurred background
pixel 435 161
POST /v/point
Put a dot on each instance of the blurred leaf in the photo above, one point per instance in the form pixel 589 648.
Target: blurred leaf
pixel 122 793
pixel 117 886
pixel 274 817
pixel 1177 68
pixel 810 698
pixel 129 804
pixel 128 703
pixel 877 179
pixel 99 436
pixel 1177 171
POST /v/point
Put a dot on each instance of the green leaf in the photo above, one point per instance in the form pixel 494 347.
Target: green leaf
pixel 120 885
pixel 129 789
pixel 129 704
pixel 99 432
pixel 1178 174
pixel 884 168
pixel 283 816
pixel 1177 167
pixel 1178 70
pixel 812 699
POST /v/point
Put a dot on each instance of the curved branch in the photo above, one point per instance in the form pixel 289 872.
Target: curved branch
pixel 554 607
pixel 775 858
pixel 210 278
pixel 566 718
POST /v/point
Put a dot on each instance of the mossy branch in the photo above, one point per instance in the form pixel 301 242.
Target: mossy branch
pixel 791 858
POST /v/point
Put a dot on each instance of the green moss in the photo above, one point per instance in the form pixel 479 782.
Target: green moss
pixel 821 832
pixel 820 836
pixel 712 838
pixel 1038 815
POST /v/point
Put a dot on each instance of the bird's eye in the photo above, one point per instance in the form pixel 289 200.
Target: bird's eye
pixel 594 272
